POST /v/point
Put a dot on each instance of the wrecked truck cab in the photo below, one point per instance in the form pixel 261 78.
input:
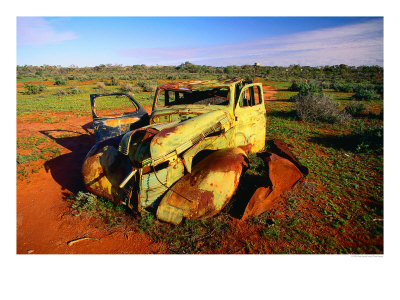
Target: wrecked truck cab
pixel 187 162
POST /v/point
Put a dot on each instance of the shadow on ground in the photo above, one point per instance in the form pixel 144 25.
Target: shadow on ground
pixel 290 115
pixel 369 140
pixel 66 168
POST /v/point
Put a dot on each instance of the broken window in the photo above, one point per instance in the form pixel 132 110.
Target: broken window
pixel 217 96
pixel 114 106
pixel 251 96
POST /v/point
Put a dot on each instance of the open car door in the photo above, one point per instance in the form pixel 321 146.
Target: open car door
pixel 250 115
pixel 115 114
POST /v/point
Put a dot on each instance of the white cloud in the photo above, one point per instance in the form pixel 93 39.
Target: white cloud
pixel 357 44
pixel 34 31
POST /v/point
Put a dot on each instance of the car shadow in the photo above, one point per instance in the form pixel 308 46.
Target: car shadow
pixel 66 168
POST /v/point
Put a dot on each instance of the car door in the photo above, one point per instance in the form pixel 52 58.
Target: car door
pixel 115 114
pixel 250 116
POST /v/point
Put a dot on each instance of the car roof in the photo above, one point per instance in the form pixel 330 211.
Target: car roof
pixel 191 85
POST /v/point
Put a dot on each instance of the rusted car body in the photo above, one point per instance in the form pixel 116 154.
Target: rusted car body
pixel 187 162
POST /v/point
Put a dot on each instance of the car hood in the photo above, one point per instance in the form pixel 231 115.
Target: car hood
pixel 178 137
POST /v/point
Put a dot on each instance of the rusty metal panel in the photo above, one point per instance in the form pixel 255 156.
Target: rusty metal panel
pixel 105 168
pixel 152 186
pixel 184 135
pixel 205 191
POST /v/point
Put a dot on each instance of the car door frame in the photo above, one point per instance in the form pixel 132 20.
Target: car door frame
pixel 251 121
pixel 107 127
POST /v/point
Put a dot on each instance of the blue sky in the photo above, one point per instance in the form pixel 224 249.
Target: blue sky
pixel 217 41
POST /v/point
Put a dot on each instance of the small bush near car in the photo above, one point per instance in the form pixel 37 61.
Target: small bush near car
pixel 318 108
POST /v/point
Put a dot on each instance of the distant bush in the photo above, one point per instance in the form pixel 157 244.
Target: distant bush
pixel 355 108
pixel 100 86
pixel 60 92
pixel 113 82
pixel 129 88
pixel 73 77
pixel 364 94
pixel 60 81
pixel 147 86
pixel 298 86
pixel 228 70
pixel 74 91
pixel 172 77
pixel 30 89
pixel 345 87
pixel 314 87
pixel 318 108
pixel 305 88
pixel 326 85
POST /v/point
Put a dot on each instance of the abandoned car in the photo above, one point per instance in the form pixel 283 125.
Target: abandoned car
pixel 185 159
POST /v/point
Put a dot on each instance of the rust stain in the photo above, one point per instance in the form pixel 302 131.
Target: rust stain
pixel 166 132
pixel 117 122
pixel 205 191
pixel 198 84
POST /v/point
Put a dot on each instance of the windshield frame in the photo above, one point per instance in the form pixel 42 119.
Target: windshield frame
pixel 231 96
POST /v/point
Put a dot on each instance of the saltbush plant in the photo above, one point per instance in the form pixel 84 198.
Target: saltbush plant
pixel 127 87
pixel 113 82
pixel 60 81
pixel 74 91
pixel 355 108
pixel 101 86
pixel 30 89
pixel 298 86
pixel 60 92
pixel 318 108
pixel 343 87
pixel 147 86
pixel 364 94
pixel 305 88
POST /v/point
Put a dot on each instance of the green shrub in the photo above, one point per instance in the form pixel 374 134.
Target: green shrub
pixel 364 94
pixel 298 86
pixel 228 70
pixel 346 87
pixel 113 82
pixel 314 87
pixel 318 108
pixel 33 88
pixel 172 77
pixel 60 81
pixel 147 86
pixel 74 91
pixel 129 88
pixel 355 108
pixel 326 85
pixel 305 88
pixel 60 92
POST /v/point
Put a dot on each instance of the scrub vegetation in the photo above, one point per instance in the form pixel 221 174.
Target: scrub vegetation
pixel 332 118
